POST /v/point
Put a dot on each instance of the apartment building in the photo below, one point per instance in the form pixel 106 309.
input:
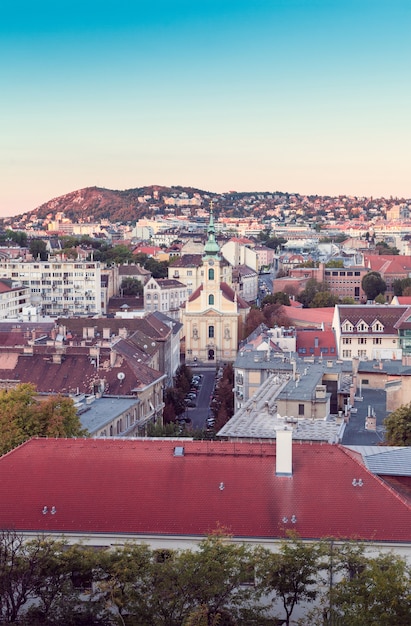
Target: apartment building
pixel 59 287
pixel 367 332
pixel 165 295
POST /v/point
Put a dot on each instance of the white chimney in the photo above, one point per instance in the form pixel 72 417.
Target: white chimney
pixel 284 452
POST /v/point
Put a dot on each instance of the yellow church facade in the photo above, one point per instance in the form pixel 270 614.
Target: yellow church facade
pixel 213 315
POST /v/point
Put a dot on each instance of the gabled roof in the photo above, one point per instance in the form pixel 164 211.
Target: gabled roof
pixel 140 487
pixel 188 260
pixel 386 314
pixel 316 342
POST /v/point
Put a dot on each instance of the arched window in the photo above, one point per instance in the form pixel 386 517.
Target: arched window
pixel 211 332
pixel 210 274
pixel 211 299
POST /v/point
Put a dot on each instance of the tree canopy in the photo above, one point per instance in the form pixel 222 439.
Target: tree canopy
pixel 23 416
pixel 398 426
pixel 373 284
pixel 220 583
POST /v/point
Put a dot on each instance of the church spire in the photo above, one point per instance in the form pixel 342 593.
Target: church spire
pixel 211 249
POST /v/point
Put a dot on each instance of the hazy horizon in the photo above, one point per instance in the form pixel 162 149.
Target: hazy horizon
pixel 298 96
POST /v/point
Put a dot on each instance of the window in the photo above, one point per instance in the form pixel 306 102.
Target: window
pixel 210 274
pixel 346 354
pixel 362 340
pixel 346 340
pixel 211 299
pixel 300 409
pixel 211 332
pixel 377 341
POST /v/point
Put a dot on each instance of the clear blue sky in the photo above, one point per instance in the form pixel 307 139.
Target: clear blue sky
pixel 307 96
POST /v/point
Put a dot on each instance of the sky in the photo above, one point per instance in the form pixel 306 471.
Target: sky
pixel 299 96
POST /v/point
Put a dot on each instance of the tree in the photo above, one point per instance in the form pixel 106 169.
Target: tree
pixel 158 269
pixel 38 249
pixel 223 401
pixel 399 285
pixel 254 318
pixel 335 263
pixel 373 284
pixel 291 574
pixel 22 416
pixel 174 404
pixel 373 591
pixel 323 299
pixel 218 572
pixel 119 254
pixel 131 287
pixel 279 297
pixel 398 427
pixel 312 287
pixel 182 378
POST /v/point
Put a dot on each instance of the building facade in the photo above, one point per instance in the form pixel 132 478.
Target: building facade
pixel 59 287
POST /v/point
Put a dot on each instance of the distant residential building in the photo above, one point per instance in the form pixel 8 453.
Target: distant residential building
pixel 165 295
pixel 59 287
pixel 367 331
pixel 238 251
pixel 245 282
pixel 14 299
pixel 346 282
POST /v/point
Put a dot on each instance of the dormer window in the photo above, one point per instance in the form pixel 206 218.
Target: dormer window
pixel 377 327
pixel 347 327
pixel 362 327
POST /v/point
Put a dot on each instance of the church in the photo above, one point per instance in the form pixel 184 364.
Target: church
pixel 214 314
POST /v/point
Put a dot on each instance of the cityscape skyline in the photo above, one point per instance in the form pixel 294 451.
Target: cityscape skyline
pixel 293 96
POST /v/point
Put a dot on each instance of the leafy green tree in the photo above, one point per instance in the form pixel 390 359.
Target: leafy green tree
pixel 312 287
pixel 22 416
pixel 347 300
pixel 382 247
pixel 399 285
pixel 119 254
pixel 19 237
pixel 374 591
pixel 38 249
pixel 158 269
pixel 278 297
pixel 373 284
pixel 131 287
pixel 218 571
pixel 398 427
pixel 291 574
pixel 323 299
pixel 334 263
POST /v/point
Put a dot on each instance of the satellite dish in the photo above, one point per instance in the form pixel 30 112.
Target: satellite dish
pixel 121 375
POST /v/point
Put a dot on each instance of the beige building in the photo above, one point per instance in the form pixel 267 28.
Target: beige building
pixel 213 314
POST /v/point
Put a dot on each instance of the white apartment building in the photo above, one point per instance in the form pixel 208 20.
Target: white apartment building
pixel 367 332
pixel 165 295
pixel 13 300
pixel 59 287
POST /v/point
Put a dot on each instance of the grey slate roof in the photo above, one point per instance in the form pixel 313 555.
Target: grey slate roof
pixel 386 460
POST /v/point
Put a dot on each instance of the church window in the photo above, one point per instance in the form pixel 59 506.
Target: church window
pixel 211 274
pixel 211 299
pixel 211 332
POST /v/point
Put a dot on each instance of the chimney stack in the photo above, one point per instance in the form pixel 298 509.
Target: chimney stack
pixel 284 452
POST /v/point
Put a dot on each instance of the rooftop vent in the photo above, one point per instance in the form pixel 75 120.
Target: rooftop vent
pixel 179 451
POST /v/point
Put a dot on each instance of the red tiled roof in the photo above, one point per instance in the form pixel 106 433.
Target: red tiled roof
pixel 310 317
pixel 316 341
pixel 140 487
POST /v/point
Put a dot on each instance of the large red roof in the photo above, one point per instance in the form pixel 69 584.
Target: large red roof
pixel 141 487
